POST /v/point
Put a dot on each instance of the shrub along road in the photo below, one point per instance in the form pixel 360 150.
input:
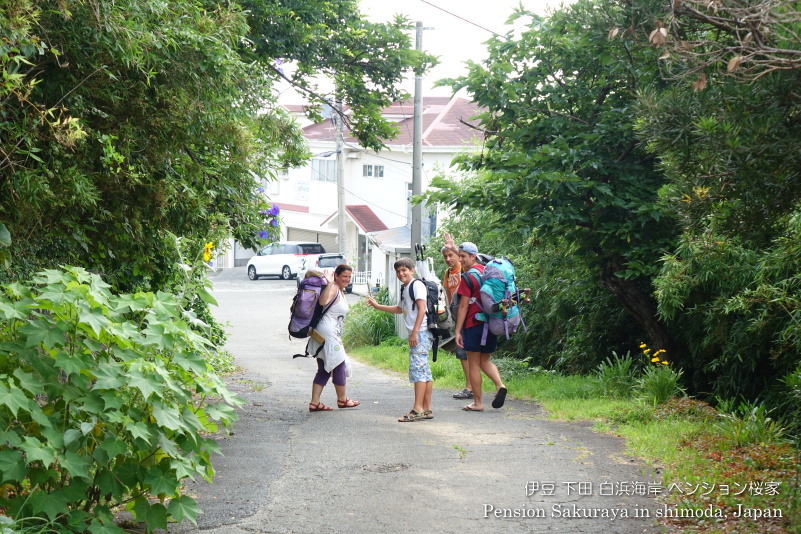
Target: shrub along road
pixel 359 470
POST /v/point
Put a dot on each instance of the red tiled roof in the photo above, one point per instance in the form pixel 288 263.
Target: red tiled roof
pixel 363 216
pixel 441 124
pixel 292 207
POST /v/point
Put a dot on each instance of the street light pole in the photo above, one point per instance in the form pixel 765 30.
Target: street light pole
pixel 341 180
pixel 417 145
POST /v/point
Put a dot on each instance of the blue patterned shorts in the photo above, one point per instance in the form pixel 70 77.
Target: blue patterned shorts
pixel 419 370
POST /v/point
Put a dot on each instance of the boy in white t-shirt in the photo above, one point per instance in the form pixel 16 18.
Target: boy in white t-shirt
pixel 420 338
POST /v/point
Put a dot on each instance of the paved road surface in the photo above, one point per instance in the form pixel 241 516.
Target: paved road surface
pixel 286 470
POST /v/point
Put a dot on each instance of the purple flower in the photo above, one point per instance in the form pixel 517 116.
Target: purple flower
pixel 264 212
pixel 263 234
pixel 274 222
pixel 260 189
pixel 274 211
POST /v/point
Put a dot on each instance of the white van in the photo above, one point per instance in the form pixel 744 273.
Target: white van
pixel 283 259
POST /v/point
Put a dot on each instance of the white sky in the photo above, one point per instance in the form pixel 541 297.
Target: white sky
pixel 454 39
pixel 460 29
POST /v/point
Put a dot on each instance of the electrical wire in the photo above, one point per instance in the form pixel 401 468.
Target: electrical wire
pixel 462 18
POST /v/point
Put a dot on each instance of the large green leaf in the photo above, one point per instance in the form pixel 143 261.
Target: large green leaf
pixel 161 482
pixel 108 376
pixel 76 464
pixel 13 398
pixel 36 451
pixel 51 503
pixel 183 507
pixel 168 416
pixel 5 236
pixel 12 465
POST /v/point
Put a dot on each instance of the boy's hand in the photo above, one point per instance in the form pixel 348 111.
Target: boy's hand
pixel 413 339
pixel 448 241
pixel 459 340
pixel 371 302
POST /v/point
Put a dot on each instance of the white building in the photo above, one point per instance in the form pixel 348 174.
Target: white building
pixel 377 185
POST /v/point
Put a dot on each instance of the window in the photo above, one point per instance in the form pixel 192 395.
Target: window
pixel 373 171
pixel 312 249
pixel 324 170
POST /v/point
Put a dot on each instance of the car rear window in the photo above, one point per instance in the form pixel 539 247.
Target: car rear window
pixel 331 261
pixel 313 248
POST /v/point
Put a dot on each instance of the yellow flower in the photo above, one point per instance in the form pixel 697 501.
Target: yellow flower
pixel 660 351
pixel 646 351
pixel 207 251
pixel 655 359
pixel 664 362
pixel 643 345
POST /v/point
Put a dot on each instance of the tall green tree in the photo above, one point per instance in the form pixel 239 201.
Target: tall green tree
pixel 561 157
pixel 124 123
pixel 729 150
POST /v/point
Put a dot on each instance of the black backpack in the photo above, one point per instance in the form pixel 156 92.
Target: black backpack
pixel 437 317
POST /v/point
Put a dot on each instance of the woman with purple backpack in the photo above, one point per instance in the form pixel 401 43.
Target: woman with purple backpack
pixel 332 361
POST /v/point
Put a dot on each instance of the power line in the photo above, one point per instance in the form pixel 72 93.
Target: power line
pixel 462 18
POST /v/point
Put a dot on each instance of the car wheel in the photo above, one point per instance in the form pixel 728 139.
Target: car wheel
pixel 252 273
pixel 286 273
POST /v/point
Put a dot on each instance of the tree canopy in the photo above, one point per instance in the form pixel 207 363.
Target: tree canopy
pixel 561 157
pixel 123 124
pixel 644 152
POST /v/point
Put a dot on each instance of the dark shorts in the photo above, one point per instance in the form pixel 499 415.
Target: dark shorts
pixel 471 339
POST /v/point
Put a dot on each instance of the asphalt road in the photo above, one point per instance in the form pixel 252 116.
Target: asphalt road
pixel 286 470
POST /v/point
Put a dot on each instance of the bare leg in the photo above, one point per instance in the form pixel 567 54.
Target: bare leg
pixel 466 369
pixel 419 396
pixel 491 371
pixel 317 390
pixel 341 393
pixel 427 395
pixel 474 361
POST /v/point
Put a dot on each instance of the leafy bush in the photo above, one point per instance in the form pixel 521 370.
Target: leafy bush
pixel 367 326
pixel 572 321
pixel 104 400
pixel 658 384
pixel 614 376
pixel 750 423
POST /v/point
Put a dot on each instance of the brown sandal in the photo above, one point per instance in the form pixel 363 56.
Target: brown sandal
pixel 347 403
pixel 319 407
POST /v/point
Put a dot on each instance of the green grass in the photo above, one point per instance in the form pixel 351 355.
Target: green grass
pixel 681 436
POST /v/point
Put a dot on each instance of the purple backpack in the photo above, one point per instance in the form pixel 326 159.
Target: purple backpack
pixel 305 311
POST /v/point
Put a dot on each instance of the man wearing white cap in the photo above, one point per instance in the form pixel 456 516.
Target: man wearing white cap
pixel 469 331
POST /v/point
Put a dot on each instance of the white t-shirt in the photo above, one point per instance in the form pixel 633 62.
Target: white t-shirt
pixel 409 314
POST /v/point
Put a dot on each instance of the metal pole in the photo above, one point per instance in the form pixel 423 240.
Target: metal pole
pixel 341 181
pixel 417 145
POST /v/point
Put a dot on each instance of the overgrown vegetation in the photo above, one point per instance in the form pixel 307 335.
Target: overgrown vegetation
pixel 105 400
pixel 644 191
pixel 367 326
pixel 134 140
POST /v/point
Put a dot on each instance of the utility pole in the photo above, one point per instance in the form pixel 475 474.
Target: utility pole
pixel 341 178
pixel 417 146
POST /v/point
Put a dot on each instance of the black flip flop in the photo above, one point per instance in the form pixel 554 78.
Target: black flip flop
pixel 499 399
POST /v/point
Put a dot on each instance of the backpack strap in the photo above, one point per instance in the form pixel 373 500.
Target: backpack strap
pixel 411 291
pixel 328 306
pixel 468 279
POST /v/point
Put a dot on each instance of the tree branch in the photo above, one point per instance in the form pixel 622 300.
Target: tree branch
pixel 565 115
pixel 482 130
